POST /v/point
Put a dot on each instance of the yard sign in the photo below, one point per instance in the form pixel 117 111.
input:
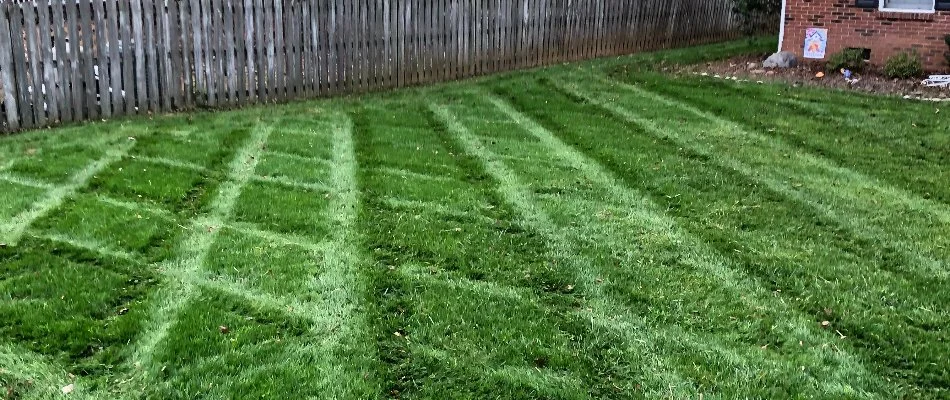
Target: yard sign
pixel 816 40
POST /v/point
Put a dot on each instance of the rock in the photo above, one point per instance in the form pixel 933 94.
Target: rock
pixel 782 59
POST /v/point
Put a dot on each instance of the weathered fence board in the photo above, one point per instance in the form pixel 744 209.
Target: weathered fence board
pixel 71 60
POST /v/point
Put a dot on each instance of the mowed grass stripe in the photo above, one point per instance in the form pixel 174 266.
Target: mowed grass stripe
pixel 11 231
pixel 662 376
pixel 809 261
pixel 857 201
pixel 436 337
pixel 24 181
pixel 172 163
pixel 199 236
pixel 795 327
pixel 89 245
pixel 349 343
pixel 885 138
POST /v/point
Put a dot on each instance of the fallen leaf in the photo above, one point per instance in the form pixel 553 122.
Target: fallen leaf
pixel 30 151
pixel 123 311
pixel 820 75
pixel 825 324
pixel 224 330
pixel 68 388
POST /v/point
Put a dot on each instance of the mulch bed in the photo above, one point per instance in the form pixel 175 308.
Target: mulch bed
pixel 871 81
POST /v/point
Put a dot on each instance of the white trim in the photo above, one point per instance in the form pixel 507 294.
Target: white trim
pixel 781 26
pixel 932 10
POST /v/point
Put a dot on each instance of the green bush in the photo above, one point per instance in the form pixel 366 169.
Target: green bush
pixel 904 65
pixel 852 59
pixel 757 16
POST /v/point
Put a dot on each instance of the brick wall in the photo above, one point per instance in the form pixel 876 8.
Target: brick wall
pixel 885 33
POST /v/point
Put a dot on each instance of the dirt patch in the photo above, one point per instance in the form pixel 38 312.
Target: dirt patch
pixel 871 81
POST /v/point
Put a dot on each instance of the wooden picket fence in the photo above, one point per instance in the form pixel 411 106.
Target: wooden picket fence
pixel 72 60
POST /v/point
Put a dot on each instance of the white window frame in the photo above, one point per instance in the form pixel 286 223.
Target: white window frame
pixel 932 10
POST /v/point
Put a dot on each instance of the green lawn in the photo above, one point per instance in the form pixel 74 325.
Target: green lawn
pixel 594 230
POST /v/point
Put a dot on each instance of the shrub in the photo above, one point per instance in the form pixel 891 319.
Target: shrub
pixel 757 16
pixel 852 59
pixel 903 65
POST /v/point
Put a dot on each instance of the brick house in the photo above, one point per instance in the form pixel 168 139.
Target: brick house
pixel 881 27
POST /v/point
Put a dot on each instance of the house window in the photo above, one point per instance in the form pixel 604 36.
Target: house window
pixel 908 5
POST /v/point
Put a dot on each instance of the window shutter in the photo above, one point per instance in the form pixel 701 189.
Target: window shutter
pixel 866 3
pixel 943 4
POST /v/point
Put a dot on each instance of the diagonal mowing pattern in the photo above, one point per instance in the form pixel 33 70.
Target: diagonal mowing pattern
pixel 458 312
pixel 898 150
pixel 437 243
pixel 881 137
pixel 857 200
pixel 514 192
pixel 11 231
pixel 600 177
pixel 812 262
pixel 195 245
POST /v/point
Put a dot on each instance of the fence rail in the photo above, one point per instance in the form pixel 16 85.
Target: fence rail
pixel 71 60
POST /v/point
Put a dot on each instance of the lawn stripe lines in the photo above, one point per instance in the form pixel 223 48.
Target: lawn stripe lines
pixel 410 174
pixel 856 203
pixel 199 237
pixel 288 183
pixel 277 237
pixel 529 160
pixel 305 310
pixel 89 245
pixel 136 206
pixel 297 157
pixel 418 273
pixel 168 162
pixel 24 181
pixel 11 231
pixel 631 328
pixel 644 213
pixel 515 193
pixel 437 208
pixel 549 383
pixel 340 283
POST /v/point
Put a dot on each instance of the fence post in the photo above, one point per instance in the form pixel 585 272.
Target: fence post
pixel 7 79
